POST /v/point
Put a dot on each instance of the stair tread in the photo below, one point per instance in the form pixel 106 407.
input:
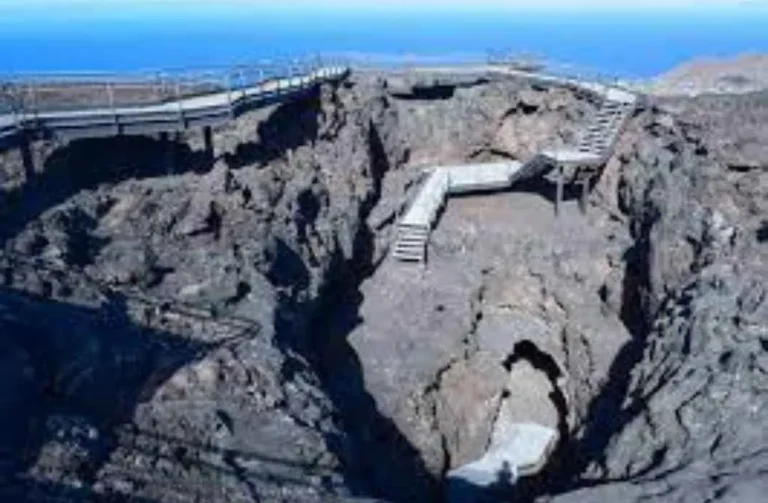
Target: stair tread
pixel 401 253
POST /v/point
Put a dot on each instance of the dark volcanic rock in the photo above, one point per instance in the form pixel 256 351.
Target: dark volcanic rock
pixel 687 426
pixel 232 331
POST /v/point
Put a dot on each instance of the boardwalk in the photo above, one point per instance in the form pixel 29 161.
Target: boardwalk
pixel 171 115
pixel 593 150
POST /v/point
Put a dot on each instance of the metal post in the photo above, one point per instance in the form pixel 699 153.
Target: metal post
pixel 159 87
pixel 229 96
pixel 584 195
pixel 243 82
pixel 208 141
pixel 559 190
pixel 27 158
pixel 32 100
pixel 17 102
pixel 170 151
pixel 178 101
pixel 111 98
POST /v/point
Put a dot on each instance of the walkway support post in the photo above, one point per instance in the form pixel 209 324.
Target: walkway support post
pixel 584 195
pixel 159 87
pixel 230 102
pixel 27 159
pixel 170 152
pixel 559 190
pixel 32 100
pixel 243 82
pixel 178 100
pixel 111 98
pixel 208 141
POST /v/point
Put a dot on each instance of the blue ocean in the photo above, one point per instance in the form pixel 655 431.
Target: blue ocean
pixel 634 46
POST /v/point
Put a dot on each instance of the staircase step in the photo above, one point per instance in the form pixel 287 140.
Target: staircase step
pixel 420 235
pixel 413 228
pixel 407 234
pixel 409 246
pixel 411 239
pixel 409 251
pixel 406 258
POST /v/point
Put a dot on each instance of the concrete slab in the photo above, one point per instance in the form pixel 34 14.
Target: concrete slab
pixel 477 177
pixel 572 156
pixel 427 203
pixel 524 452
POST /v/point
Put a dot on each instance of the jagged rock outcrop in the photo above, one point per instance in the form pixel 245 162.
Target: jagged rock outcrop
pixel 686 426
pixel 256 238
pixel 311 368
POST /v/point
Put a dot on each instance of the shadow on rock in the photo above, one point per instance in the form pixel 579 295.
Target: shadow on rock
pixel 86 164
pixel 608 414
pixel 762 232
pixel 289 126
pixel 378 459
pixel 547 189
pixel 40 491
pixel 65 359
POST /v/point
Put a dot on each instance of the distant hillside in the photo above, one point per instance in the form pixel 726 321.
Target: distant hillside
pixel 745 73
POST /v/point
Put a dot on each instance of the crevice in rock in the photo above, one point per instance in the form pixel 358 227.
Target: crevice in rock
pixel 289 126
pixel 607 414
pixel 101 368
pixel 762 232
pixel 436 91
pixel 430 93
pixel 86 164
pixel 378 460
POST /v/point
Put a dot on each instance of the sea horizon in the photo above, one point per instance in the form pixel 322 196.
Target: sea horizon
pixel 639 46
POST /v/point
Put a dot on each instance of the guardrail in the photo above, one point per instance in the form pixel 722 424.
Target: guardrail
pixel 30 94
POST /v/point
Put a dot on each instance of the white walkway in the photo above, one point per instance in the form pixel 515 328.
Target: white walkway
pixel 414 228
pixel 209 108
pixel 593 150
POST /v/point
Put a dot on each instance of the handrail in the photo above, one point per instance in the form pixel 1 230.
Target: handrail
pixel 84 90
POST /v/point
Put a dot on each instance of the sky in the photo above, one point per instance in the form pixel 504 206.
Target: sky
pixel 19 14
pixel 43 35
pixel 118 7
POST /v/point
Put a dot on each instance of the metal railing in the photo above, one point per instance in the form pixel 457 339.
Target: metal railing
pixel 30 94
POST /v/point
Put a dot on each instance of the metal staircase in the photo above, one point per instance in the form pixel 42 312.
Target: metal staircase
pixel 411 243
pixel 594 148
pixel 413 230
pixel 601 135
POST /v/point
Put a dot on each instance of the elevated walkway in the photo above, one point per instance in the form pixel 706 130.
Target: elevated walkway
pixel 595 146
pixel 414 228
pixel 202 110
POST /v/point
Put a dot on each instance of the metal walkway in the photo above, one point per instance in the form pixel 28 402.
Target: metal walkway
pixel 414 228
pixel 593 150
pixel 219 105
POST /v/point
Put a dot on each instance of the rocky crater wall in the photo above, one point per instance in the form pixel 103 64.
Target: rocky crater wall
pixel 311 367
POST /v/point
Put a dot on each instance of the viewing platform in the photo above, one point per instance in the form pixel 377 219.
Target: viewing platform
pixel 87 107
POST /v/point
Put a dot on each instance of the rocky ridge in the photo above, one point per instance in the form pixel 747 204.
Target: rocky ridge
pixel 378 377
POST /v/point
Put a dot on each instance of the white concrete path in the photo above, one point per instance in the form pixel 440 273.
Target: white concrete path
pixel 442 181
pixel 524 451
pixel 595 147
